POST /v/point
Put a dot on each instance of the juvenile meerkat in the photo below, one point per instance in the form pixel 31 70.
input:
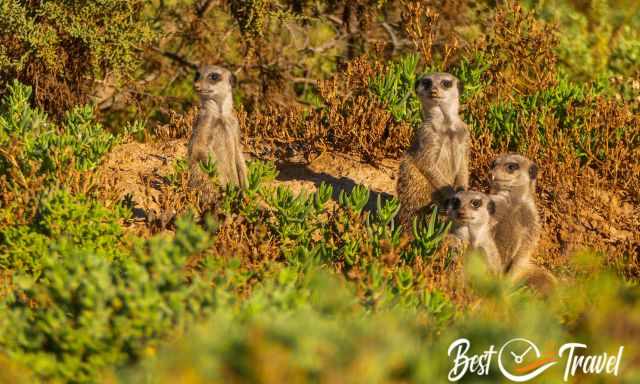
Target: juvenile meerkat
pixel 436 164
pixel 216 133
pixel 478 215
pixel 513 179
pixel 474 213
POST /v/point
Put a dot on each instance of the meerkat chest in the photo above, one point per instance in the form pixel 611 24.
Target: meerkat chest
pixel 449 149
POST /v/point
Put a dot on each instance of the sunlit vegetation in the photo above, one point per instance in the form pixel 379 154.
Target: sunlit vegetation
pixel 273 285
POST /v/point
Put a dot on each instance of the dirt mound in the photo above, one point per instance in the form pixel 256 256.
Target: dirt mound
pixel 138 169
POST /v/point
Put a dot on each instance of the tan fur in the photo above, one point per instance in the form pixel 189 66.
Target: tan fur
pixel 473 215
pixel 216 133
pixel 513 179
pixel 537 278
pixel 436 164
pixel 478 226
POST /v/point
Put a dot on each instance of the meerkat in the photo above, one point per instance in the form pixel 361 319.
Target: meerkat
pixel 216 133
pixel 478 215
pixel 474 213
pixel 513 179
pixel 436 164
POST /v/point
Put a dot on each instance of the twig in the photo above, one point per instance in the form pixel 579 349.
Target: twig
pixel 335 19
pixel 319 49
pixel 175 57
pixel 304 80
pixel 203 8
pixel 392 34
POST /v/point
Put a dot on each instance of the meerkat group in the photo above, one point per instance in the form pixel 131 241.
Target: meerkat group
pixel 504 225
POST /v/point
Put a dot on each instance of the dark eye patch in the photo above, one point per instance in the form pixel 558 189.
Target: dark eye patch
pixel 491 207
pixel 197 77
pixel 476 203
pixel 447 84
pixel 455 203
pixel 512 167
pixel 214 76
pixel 533 171
pixel 424 82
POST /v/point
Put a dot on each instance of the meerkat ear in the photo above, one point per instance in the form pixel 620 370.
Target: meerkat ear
pixel 533 171
pixel 460 87
pixel 491 207
pixel 417 83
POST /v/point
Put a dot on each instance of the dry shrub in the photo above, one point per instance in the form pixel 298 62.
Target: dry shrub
pixel 352 120
pixel 58 48
pixel 440 29
pixel 520 53
pixel 178 126
pixel 587 147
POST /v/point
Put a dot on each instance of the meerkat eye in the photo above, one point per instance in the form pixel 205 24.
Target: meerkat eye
pixel 197 77
pixel 214 76
pixel 455 203
pixel 512 167
pixel 447 83
pixel 476 203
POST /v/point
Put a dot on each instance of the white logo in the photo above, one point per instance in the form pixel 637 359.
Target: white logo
pixel 520 360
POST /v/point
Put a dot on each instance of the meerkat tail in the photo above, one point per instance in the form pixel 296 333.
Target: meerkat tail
pixel 537 278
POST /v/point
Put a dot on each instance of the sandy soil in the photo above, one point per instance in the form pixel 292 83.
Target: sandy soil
pixel 135 168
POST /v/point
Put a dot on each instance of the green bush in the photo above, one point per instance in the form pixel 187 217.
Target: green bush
pixel 599 38
pixel 310 328
pixel 40 216
pixel 395 89
pixel 60 47
pixel 79 142
pixel 63 222
pixel 86 313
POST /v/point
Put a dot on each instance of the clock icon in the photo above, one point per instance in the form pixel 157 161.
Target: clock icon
pixel 519 358
pixel 514 352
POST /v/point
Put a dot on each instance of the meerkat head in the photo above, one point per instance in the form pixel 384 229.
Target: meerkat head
pixel 438 89
pixel 213 82
pixel 511 171
pixel 471 208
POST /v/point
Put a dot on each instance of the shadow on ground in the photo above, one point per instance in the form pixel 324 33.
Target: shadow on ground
pixel 288 172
